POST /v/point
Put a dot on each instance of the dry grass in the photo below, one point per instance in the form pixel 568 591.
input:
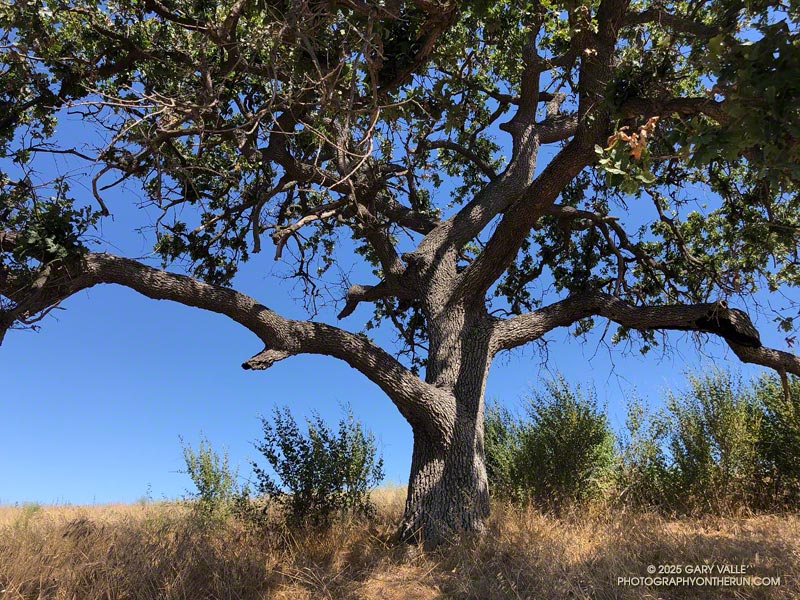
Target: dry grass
pixel 157 551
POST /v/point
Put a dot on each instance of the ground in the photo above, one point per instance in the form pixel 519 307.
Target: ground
pixel 156 550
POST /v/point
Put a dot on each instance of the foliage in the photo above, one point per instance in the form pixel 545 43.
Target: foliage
pixel 215 480
pixel 779 442
pixel 643 476
pixel 568 449
pixel 560 454
pixel 228 115
pixel 501 439
pixel 321 475
pixel 713 442
pixel 721 445
pixel 49 229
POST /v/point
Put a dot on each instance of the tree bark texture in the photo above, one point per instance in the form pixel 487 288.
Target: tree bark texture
pixel 448 490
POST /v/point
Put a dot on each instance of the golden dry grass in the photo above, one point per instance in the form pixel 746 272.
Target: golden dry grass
pixel 157 551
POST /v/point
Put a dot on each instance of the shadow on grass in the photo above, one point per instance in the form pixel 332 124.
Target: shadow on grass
pixel 162 553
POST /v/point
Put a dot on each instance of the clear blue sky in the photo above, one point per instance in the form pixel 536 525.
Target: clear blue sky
pixel 93 405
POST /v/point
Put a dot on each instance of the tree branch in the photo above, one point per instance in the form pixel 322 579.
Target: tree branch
pixel 482 166
pixel 674 22
pixel 370 293
pixel 716 318
pixel 427 409
pixel 636 107
pixel 518 220
pixel 495 197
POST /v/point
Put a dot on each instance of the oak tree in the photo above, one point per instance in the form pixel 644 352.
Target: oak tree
pixel 409 131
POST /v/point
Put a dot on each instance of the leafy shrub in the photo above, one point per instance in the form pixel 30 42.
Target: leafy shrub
pixel 779 442
pixel 713 440
pixel 501 445
pixel 643 476
pixel 321 475
pixel 717 446
pixel 560 453
pixel 217 489
pixel 567 448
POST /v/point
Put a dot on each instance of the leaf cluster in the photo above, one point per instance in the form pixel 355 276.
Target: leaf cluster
pixel 560 454
pixel 322 474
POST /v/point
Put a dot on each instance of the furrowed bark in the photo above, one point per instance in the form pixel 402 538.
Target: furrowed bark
pixel 424 406
pixel 448 491
pixel 716 318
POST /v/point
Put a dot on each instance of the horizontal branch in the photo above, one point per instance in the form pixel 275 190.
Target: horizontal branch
pixel 638 107
pixel 467 153
pixel 424 406
pixel 370 293
pixel 408 217
pixel 675 22
pixel 732 324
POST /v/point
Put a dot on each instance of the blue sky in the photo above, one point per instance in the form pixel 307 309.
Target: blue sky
pixel 93 405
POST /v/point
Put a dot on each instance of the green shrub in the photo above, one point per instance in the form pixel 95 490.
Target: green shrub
pixel 779 442
pixel 322 475
pixel 216 482
pixel 566 447
pixel 713 442
pixel 718 446
pixel 501 445
pixel 643 477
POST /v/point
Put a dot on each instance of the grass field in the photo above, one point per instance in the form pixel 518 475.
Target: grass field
pixel 156 550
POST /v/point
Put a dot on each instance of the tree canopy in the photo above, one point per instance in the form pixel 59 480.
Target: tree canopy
pixel 666 194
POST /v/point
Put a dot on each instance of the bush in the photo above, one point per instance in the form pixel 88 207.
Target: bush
pixel 718 446
pixel 567 448
pixel 501 445
pixel 217 489
pixel 779 442
pixel 713 442
pixel 643 477
pixel 321 475
pixel 560 454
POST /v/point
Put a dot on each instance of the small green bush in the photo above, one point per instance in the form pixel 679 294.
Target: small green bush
pixel 322 475
pixel 561 453
pixel 501 445
pixel 643 477
pixel 713 442
pixel 779 442
pixel 567 449
pixel 216 482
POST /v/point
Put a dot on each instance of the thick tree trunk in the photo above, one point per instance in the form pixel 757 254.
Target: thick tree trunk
pixel 448 492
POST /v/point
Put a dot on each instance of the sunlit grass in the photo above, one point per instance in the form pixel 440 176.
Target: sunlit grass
pixel 156 550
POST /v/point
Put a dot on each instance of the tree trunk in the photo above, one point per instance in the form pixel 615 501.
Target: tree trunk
pixel 448 491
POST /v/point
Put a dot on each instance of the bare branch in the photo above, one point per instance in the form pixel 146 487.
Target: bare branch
pixel 716 318
pixel 407 217
pixel 265 359
pixel 675 22
pixel 370 293
pixel 427 408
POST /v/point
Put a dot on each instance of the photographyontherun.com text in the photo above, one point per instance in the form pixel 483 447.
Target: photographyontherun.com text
pixel 698 575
